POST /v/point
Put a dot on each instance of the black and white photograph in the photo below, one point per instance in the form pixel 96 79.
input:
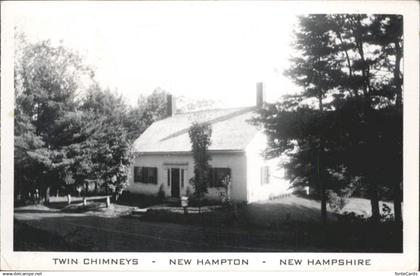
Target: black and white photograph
pixel 213 129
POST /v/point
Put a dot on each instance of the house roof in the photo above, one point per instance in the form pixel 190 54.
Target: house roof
pixel 231 131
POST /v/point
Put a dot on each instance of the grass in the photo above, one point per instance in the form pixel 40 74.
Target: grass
pixel 27 238
pixel 293 222
pixel 298 221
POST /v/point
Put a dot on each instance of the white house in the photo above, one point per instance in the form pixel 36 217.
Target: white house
pixel 163 156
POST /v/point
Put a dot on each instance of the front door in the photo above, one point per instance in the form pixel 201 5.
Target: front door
pixel 175 183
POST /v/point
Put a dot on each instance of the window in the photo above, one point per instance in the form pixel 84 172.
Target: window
pixel 145 175
pixel 265 175
pixel 218 176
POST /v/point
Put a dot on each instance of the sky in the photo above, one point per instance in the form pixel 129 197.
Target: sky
pixel 201 50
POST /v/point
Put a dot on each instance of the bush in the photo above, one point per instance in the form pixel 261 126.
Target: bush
pixel 161 193
pixel 194 201
pixel 336 202
pixel 351 217
pixel 189 192
pixel 139 200
pixel 387 214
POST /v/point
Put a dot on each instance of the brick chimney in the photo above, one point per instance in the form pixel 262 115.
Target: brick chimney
pixel 170 105
pixel 260 94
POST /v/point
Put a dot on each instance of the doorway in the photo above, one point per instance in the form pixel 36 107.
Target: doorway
pixel 175 189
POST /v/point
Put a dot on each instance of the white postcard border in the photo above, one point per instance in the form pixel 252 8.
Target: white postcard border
pixel 379 261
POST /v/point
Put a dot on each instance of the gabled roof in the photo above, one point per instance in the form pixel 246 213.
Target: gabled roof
pixel 231 131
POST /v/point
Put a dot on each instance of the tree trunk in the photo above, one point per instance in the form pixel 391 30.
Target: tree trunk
pixel 397 197
pixel 321 184
pixel 397 202
pixel 323 204
pixel 374 202
pixel 397 73
pixel 373 189
pixel 47 195
pixel 320 170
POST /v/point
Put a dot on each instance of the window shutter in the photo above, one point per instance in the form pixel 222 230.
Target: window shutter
pixel 138 174
pixel 143 174
pixel 211 177
pixel 154 170
pixel 182 178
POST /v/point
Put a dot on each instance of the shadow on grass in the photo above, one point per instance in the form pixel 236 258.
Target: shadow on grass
pixel 29 211
pixel 78 208
pixel 276 227
pixel 57 205
pixel 27 238
pixel 303 236
pixel 200 233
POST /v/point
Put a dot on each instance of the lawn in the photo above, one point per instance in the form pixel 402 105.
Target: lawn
pixel 281 225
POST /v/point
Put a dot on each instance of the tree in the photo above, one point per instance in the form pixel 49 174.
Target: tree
pixel 106 153
pixel 148 110
pixel 200 136
pixel 316 70
pixel 348 69
pixel 47 83
pixel 376 46
pixel 68 130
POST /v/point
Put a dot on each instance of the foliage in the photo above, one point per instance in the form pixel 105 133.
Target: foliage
pixel 343 131
pixel 386 214
pixel 47 81
pixel 189 192
pixel 224 195
pixel 161 193
pixel 69 132
pixel 148 110
pixel 200 136
pixel 336 202
pixel 351 218
pixel 107 151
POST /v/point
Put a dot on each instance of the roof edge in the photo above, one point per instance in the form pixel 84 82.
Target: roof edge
pixel 186 152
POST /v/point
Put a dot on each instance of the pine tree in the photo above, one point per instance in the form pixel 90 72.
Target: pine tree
pixel 316 70
pixel 47 82
pixel 348 69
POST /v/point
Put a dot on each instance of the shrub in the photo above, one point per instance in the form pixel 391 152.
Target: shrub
pixel 161 193
pixel 387 214
pixel 138 200
pixel 189 192
pixel 335 201
pixel 351 217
